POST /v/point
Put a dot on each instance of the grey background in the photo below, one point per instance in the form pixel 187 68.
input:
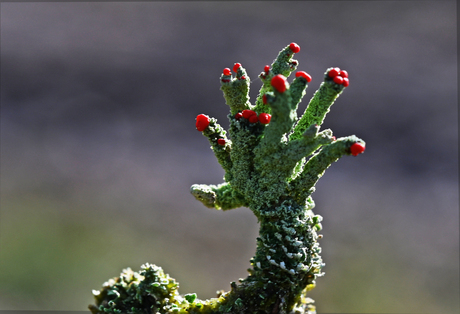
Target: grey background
pixel 99 147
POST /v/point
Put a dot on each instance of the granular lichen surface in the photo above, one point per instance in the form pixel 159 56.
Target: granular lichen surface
pixel 272 160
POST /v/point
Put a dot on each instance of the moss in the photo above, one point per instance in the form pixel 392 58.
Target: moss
pixel 272 169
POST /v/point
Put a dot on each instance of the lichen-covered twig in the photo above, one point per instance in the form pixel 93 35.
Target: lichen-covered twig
pixel 272 162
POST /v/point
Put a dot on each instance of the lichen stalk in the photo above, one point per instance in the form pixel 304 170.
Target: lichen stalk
pixel 272 161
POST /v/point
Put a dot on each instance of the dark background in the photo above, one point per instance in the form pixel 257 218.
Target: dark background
pixel 99 147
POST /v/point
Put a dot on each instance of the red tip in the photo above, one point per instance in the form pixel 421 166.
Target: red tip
pixel 202 122
pixel 303 74
pixel 264 118
pixel 236 67
pixel 248 113
pixel 227 71
pixel 279 83
pixel 266 68
pixel 221 142
pixel 346 82
pixel 253 118
pixel 334 72
pixel 357 148
pixel 294 47
pixel 338 80
pixel 264 99
pixel 343 73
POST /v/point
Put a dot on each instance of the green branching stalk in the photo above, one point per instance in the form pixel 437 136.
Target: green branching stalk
pixel 319 106
pixel 272 161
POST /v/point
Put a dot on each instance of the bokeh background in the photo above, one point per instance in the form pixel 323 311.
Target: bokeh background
pixel 99 147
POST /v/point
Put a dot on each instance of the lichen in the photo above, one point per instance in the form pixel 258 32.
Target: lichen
pixel 272 162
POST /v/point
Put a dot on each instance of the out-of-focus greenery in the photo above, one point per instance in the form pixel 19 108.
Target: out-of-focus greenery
pixel 52 261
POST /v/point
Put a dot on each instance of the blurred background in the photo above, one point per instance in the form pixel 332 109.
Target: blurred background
pixel 99 147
